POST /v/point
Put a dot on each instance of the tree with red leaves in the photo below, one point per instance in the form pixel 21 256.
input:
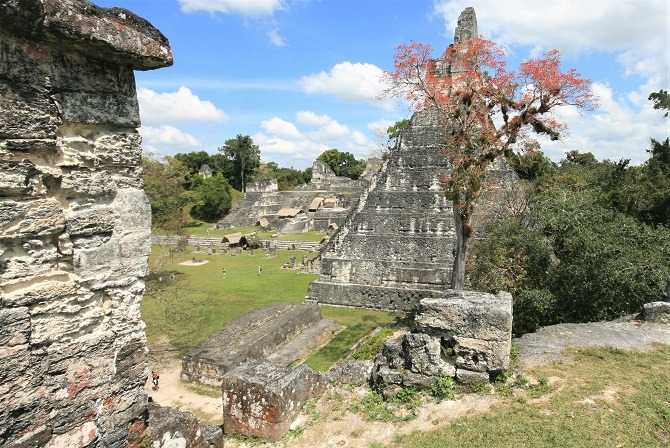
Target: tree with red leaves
pixel 487 112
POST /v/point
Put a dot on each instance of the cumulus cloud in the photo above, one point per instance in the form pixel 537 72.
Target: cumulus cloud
pixel 350 82
pixel 620 129
pixel 252 8
pixel 284 139
pixel 164 138
pixel 308 118
pixel 281 128
pixel 636 30
pixel 176 107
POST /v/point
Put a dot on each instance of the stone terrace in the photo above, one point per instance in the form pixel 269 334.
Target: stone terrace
pixel 397 248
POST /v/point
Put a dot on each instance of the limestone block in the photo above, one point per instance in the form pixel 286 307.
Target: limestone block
pixel 465 376
pixel 172 428
pixel 657 312
pixel 32 257
pixel 468 314
pixel 424 355
pixel 31 219
pixel 19 178
pixel 113 34
pixel 33 62
pixel 69 315
pixel 98 108
pixel 482 356
pixel 411 379
pixel 26 112
pixel 46 288
pixel 261 399
pixel 352 371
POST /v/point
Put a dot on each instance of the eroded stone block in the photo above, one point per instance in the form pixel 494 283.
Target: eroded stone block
pixel 261 399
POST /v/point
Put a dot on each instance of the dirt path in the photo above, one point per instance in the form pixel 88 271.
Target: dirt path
pixel 175 393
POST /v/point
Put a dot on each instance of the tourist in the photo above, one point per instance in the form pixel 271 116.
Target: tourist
pixel 260 269
pixel 223 272
pixel 154 380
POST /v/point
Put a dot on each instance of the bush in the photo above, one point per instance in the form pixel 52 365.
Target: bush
pixel 533 308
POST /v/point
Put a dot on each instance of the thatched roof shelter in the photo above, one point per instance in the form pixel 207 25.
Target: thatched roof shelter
pixel 264 223
pixel 316 204
pixel 289 212
pixel 235 239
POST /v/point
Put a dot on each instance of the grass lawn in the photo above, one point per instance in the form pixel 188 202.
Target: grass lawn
pixel 606 398
pixel 202 231
pixel 191 302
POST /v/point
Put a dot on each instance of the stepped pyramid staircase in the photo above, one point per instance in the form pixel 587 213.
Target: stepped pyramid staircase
pixel 397 248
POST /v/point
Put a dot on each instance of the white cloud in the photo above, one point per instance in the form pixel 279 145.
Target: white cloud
pixel 252 8
pixel 176 107
pixel 308 118
pixel 285 140
pixel 620 129
pixel 351 82
pixel 636 29
pixel 165 137
pixel 275 38
pixel 281 128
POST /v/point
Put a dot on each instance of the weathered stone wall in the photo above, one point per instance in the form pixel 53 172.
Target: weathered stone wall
pixel 74 223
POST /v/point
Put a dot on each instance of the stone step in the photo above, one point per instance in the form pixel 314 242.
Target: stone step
pixel 305 343
pixel 389 298
pixel 253 336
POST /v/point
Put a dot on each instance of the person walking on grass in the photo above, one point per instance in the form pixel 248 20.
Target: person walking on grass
pixel 223 272
pixel 260 271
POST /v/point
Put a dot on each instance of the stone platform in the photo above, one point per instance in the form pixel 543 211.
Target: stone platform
pixel 258 335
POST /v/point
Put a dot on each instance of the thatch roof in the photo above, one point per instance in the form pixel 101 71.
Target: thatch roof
pixel 263 222
pixel 333 226
pixel 289 212
pixel 234 238
pixel 330 202
pixel 316 204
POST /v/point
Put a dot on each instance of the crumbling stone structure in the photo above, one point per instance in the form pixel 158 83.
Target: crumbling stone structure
pixel 74 223
pixel 397 248
pixel 261 399
pixel 463 334
pixel 263 200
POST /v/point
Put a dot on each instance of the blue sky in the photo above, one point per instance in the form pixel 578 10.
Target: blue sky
pixel 303 76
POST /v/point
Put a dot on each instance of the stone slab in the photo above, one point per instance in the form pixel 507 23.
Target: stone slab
pixel 261 399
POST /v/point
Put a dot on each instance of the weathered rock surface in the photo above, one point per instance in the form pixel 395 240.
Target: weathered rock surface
pixel 358 373
pixel 261 399
pixel 657 312
pixel 171 428
pixel 74 223
pixel 546 344
pixel 464 334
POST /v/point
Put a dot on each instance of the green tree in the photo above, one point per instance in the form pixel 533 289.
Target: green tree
pixel 164 185
pixel 661 100
pixel 486 111
pixel 245 156
pixel 212 197
pixel 395 131
pixel 342 163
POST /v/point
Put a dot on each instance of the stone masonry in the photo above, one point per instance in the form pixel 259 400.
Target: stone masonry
pixel 74 223
pixel 398 246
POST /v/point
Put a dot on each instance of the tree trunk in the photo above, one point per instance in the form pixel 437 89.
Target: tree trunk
pixel 462 227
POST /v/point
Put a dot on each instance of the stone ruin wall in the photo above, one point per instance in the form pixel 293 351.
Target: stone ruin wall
pixel 74 223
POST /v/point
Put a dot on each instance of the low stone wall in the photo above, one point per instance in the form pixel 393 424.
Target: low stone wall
pixel 205 241
pixel 253 336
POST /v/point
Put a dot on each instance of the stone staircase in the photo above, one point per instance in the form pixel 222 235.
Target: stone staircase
pixel 397 247
pixel 282 334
